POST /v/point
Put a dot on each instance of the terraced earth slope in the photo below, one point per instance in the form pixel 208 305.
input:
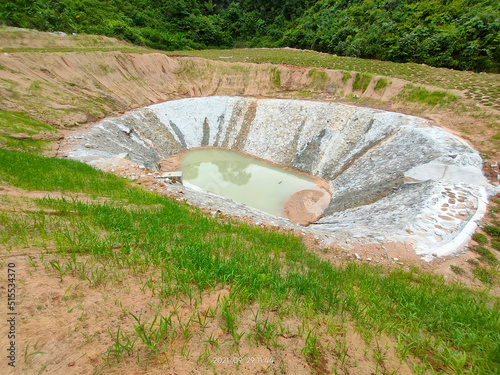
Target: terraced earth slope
pixel 73 79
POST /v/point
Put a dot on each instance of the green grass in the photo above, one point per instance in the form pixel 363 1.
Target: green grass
pixel 346 76
pixel 35 85
pixel 276 77
pixel 414 94
pixel 361 82
pixel 458 270
pixel 381 84
pixel 12 123
pixel 486 255
pixel 496 136
pixel 319 79
pixel 33 172
pixel 16 122
pixel 495 245
pixel 485 275
pixel 480 238
pixel 194 252
pixel 492 230
pixel 30 145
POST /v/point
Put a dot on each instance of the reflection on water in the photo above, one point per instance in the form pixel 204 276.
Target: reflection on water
pixel 242 178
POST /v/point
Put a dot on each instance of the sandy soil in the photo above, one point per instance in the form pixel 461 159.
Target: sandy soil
pixel 170 164
pixel 306 206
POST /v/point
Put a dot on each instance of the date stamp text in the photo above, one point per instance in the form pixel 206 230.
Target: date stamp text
pixel 242 360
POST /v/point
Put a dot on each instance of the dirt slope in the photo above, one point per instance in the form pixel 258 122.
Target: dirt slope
pixel 69 80
pixel 75 87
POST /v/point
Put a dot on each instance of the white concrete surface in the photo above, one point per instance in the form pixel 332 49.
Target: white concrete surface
pixel 394 177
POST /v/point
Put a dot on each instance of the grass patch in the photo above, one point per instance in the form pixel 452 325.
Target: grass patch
pixel 17 129
pixel 33 172
pixel 411 93
pixel 276 77
pixel 346 76
pixel 16 122
pixel 361 82
pixel 458 270
pixel 480 238
pixel 35 85
pixel 492 230
pixel 319 79
pixel 381 84
pixel 495 207
pixel 26 145
pixel 105 69
pixel 485 275
pixel 495 245
pixel 486 255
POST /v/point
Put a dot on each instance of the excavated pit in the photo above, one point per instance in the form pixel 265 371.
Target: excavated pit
pixel 255 183
pixel 393 177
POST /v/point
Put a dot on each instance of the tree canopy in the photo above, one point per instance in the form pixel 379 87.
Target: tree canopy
pixel 457 34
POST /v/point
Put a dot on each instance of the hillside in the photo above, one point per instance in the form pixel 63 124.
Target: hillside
pixel 72 79
pixel 458 34
pixel 114 276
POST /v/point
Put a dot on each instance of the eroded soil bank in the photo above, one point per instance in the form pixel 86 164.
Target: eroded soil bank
pixel 75 79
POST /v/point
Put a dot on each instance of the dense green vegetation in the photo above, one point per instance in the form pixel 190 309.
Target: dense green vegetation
pixel 455 34
pixel 458 34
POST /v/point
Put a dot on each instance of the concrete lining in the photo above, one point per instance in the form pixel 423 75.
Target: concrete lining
pixel 393 177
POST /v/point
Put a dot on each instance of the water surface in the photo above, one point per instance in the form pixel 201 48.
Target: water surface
pixel 245 179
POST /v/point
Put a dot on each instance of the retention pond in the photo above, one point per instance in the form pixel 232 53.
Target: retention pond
pixel 249 180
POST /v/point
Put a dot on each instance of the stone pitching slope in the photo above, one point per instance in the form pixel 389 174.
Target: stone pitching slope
pixel 394 177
